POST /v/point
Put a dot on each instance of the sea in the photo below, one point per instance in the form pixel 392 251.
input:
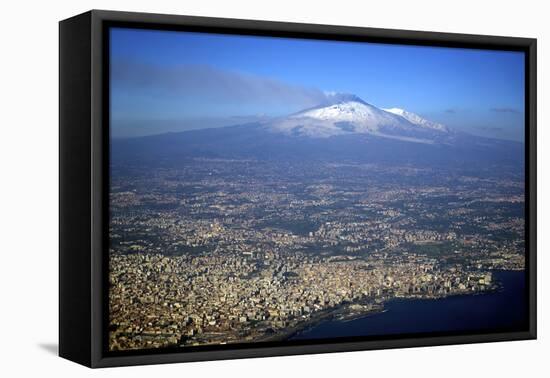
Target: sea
pixel 505 308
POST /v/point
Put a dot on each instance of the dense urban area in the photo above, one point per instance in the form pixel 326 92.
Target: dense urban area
pixel 215 251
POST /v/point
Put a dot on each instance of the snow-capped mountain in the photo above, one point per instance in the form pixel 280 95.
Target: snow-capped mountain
pixel 348 114
pixel 342 129
pixel 417 120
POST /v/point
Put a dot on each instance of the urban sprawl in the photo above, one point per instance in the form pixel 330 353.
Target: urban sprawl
pixel 232 251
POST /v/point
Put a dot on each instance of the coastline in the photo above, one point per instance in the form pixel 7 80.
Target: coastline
pixel 460 312
pixel 364 308
pixel 317 318
pixel 344 313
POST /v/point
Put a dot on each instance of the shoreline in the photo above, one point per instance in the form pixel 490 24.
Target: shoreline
pixel 347 313
pixel 318 318
pixel 332 313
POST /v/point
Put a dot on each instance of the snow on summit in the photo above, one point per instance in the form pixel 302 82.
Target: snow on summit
pixel 417 120
pixel 344 114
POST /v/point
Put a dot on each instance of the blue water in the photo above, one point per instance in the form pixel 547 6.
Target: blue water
pixel 503 309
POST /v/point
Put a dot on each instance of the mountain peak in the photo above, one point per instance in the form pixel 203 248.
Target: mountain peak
pixel 415 119
pixel 397 111
pixel 352 109
pixel 344 113
pixel 333 98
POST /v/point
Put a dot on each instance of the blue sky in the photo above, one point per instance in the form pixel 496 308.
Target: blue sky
pixel 172 81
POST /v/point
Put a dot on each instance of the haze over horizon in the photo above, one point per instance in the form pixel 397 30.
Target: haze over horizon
pixel 164 81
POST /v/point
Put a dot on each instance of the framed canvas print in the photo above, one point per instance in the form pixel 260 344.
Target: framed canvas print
pixel 234 188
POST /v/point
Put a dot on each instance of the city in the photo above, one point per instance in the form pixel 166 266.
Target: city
pixel 214 251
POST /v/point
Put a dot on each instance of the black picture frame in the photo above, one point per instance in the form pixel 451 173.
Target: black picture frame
pixel 83 181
